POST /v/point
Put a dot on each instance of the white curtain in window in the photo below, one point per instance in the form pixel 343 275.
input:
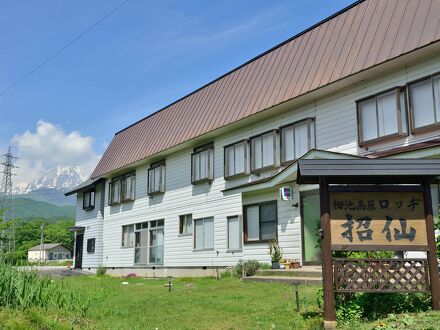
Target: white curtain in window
pixel 368 119
pixel 301 139
pixel 156 172
pixel 187 225
pixel 421 99
pixel 256 153
pixel 230 161
pixel 203 164
pixel 239 158
pixel 209 233
pixel 436 82
pixel 234 233
pixel 312 134
pixel 196 167
pixel 116 191
pixel 288 144
pixel 268 150
pixel 387 113
pixel 403 112
pixel 253 223
pixel 199 239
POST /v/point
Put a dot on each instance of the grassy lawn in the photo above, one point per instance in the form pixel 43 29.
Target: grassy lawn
pixel 203 303
pixel 197 303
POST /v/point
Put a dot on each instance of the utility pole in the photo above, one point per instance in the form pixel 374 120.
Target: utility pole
pixel 6 202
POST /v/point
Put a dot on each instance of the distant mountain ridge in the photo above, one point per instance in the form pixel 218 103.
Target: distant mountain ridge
pixel 61 178
pixel 44 198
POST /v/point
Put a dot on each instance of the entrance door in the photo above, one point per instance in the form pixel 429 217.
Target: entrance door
pixel 310 224
pixel 79 250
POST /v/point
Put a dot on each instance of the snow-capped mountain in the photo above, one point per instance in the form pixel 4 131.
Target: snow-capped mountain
pixel 60 178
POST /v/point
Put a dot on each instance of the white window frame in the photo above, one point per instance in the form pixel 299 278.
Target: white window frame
pixel 435 104
pixel 275 154
pixel 234 172
pixel 204 220
pixel 156 169
pixel 401 116
pixel 311 138
pixel 183 219
pixel 196 164
pixel 147 227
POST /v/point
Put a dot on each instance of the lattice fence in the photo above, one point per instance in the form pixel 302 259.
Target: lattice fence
pixel 381 275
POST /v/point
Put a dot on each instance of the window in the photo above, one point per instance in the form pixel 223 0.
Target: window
pixel 91 245
pixel 185 224
pixel 50 255
pixel 122 189
pixel 156 178
pixel 234 233
pixel 424 99
pixel 236 159
pixel 89 200
pixel 128 236
pixel 382 115
pixel 260 222
pixel 128 184
pixel 297 139
pixel 204 234
pixel 115 192
pixel 202 164
pixel 149 242
pixel 264 151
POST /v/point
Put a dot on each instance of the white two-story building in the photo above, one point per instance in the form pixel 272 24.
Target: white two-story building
pixel 196 185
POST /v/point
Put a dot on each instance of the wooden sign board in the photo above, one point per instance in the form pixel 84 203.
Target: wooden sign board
pixel 378 221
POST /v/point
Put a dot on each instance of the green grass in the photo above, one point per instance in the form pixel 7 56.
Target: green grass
pixel 203 303
pixel 196 303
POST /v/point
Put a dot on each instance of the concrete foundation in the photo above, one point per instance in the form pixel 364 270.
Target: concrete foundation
pixel 162 272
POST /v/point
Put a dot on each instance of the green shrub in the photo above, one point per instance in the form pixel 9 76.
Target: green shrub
pixel 101 270
pixel 351 309
pixel 250 266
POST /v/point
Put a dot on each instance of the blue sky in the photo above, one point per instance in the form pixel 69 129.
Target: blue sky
pixel 145 56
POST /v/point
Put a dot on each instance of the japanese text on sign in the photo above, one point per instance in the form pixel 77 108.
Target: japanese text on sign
pixel 385 220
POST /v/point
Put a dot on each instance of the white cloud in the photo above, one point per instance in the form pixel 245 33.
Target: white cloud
pixel 50 146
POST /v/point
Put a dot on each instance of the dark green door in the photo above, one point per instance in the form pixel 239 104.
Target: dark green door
pixel 310 216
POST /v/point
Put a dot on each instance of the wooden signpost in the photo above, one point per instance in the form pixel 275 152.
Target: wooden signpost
pixel 377 218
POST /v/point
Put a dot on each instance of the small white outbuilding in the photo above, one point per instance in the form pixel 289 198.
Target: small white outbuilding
pixel 48 251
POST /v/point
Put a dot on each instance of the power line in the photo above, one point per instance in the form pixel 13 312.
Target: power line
pixel 59 51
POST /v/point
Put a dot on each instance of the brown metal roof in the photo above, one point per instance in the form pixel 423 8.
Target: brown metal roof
pixel 363 35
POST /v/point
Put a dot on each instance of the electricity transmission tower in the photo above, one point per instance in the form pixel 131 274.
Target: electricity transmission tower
pixel 6 203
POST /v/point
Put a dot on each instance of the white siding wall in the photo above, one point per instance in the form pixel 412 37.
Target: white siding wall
pixel 336 130
pixel 289 228
pixel 92 221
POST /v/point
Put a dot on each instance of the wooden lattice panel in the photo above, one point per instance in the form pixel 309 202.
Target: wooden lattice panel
pixel 381 275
